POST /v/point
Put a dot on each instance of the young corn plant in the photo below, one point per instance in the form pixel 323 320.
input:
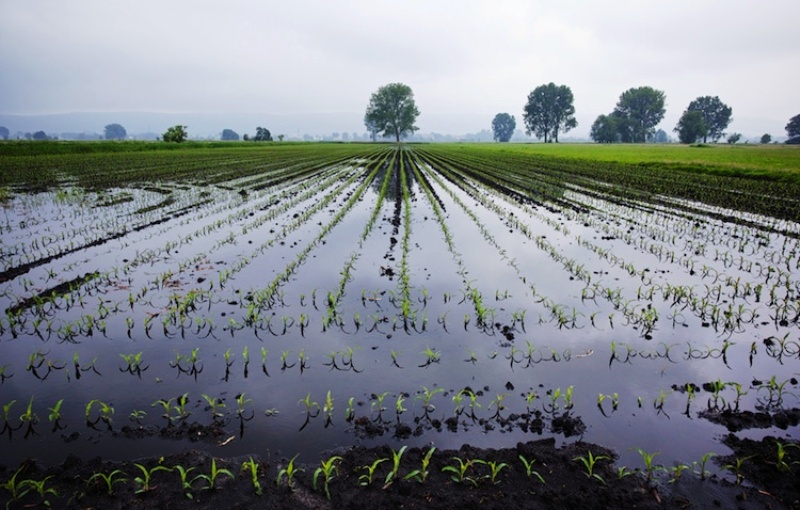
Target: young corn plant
pixel 736 468
pixel 589 462
pixel 289 472
pixel 106 412
pixel 649 467
pixel 17 488
pixel 186 482
pixel 144 483
pixel 252 467
pixel 213 475
pixel 40 488
pixel 214 405
pixel 529 471
pixel 700 467
pixel 781 461
pixel 422 473
pixel 366 479
pixel 395 471
pixel 107 480
pixel 328 469
pixel 494 469
pixel 458 471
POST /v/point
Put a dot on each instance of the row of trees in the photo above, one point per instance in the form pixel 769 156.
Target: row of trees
pixel 178 134
pixel 550 110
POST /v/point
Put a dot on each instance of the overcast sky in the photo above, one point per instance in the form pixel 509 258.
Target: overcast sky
pixel 459 56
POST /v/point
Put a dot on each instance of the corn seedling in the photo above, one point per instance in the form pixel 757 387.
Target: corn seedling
pixel 144 482
pixel 214 405
pixel 431 357
pixel 133 364
pixel 40 488
pixel 589 463
pixel 676 471
pixel 366 479
pixel 494 469
pixel 213 475
pixel 422 473
pixel 395 354
pixel 736 469
pixel 327 408
pixel 17 488
pixel 426 397
pixel 395 471
pixel 701 466
pixel 649 467
pixel 186 483
pixel 54 415
pixel 108 480
pixel 781 462
pixel 105 413
pixel 289 472
pixel 328 469
pixel 459 471
pixel 252 466
pixel 529 471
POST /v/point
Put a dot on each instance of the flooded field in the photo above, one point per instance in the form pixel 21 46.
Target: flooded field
pixel 309 298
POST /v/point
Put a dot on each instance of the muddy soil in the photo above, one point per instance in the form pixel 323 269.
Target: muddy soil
pixel 566 484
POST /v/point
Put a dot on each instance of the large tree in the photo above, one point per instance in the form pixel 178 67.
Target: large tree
pixel 641 108
pixel 4 132
pixel 716 116
pixel 605 129
pixel 503 126
pixel 549 110
pixel 392 111
pixel 793 127
pixel 691 126
pixel 262 135
pixel 175 134
pixel 115 132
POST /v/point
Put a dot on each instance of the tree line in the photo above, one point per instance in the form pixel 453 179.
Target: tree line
pixel 550 110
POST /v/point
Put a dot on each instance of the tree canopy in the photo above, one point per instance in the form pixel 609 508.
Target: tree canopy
pixel 503 126
pixel 115 132
pixel 716 116
pixel 262 135
pixel 734 137
pixel 229 135
pixel 793 127
pixel 175 134
pixel 549 110
pixel 691 126
pixel 4 132
pixel 605 129
pixel 641 109
pixel 392 111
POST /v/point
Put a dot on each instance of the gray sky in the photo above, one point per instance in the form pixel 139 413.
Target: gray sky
pixel 459 56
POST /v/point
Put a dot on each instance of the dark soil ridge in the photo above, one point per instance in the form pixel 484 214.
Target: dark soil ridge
pixel 566 484
pixel 735 421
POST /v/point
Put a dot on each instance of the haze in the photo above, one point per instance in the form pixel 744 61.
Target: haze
pixel 465 60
